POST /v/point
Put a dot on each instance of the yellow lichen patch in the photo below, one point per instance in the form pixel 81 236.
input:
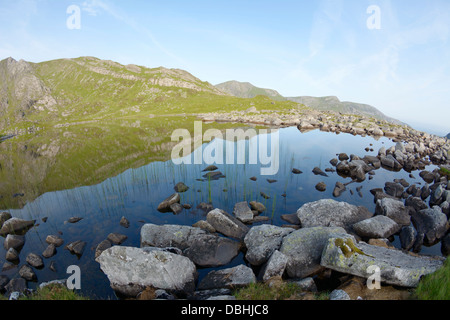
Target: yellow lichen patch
pixel 348 247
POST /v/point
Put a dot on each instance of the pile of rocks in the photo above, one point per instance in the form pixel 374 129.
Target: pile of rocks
pixel 331 235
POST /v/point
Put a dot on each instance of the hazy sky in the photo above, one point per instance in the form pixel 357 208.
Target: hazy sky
pixel 394 55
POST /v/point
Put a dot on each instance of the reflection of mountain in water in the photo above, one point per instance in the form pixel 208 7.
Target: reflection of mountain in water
pixel 82 154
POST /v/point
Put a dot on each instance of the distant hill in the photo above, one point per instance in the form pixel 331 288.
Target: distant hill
pixel 331 103
pixel 448 136
pixel 247 90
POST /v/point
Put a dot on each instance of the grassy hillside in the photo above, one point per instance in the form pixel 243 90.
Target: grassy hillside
pixel 331 103
pixel 247 90
pixel 88 89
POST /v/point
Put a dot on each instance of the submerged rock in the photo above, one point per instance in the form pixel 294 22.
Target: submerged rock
pixel 318 171
pixel 338 189
pixel 181 187
pixel 131 270
pixel 321 186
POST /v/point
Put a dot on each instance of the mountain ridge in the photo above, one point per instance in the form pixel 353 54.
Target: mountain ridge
pixel 327 103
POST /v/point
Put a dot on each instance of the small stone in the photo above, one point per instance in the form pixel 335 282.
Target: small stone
pixel 321 186
pixel 258 206
pixel 27 273
pixel 124 222
pixel 55 240
pixel 117 238
pixel 12 254
pixel 296 171
pixel 339 295
pixel 74 219
pixel 50 251
pixel 35 260
pixel 181 187
pixel 76 247
pixel 102 246
pixel 14 241
pixel 265 196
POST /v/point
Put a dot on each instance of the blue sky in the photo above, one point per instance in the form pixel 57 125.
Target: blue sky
pixel 315 48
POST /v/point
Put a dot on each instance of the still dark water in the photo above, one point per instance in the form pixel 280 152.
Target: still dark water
pixel 136 194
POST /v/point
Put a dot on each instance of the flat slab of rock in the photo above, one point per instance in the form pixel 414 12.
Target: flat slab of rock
pixel 203 248
pixel 261 241
pixel 397 268
pixel 130 270
pixel 230 278
pixel 376 227
pixel 226 224
pixel 331 213
pixel 304 248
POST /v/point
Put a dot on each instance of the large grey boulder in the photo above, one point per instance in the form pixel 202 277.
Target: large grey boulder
pixel 376 227
pixel 331 213
pixel 130 270
pixel 203 248
pixel 230 278
pixel 226 224
pixel 16 226
pixel 431 222
pixel 261 241
pixel 394 209
pixel 396 267
pixel 304 248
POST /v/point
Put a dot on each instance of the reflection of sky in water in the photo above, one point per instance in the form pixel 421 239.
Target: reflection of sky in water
pixel 136 193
